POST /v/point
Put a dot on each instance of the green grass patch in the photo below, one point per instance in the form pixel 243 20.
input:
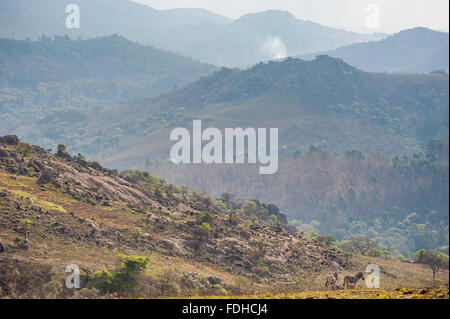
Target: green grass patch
pixel 45 205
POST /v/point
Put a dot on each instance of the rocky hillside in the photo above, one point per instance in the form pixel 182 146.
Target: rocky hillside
pixel 58 210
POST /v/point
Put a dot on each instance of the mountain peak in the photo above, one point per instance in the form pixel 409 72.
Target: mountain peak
pixel 418 32
pixel 269 15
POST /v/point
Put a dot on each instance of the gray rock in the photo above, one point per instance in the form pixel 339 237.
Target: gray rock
pixel 4 153
pixel 48 176
pixel 214 280
pixel 10 139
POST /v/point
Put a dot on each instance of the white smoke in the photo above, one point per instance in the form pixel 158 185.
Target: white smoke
pixel 275 48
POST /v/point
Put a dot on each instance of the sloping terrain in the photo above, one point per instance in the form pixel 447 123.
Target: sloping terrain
pixel 418 50
pixel 81 213
pixel 57 210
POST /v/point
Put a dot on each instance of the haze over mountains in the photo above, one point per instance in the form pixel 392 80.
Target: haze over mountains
pixel 418 50
pixel 324 102
pixel 363 143
pixel 193 32
pixel 50 76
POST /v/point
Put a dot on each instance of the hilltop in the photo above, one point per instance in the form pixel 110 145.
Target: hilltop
pixel 418 50
pixel 321 102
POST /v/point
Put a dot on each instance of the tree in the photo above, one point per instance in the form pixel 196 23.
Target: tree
pixel 273 220
pixel 227 196
pixel 327 240
pixel 362 245
pixel 184 191
pixel 24 150
pixel 374 252
pixel 432 258
pixel 103 281
pixel 127 278
pixel 250 208
pixel 204 230
pixel 61 149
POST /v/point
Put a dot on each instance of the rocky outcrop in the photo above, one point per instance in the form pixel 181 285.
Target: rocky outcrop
pixel 9 140
pixel 4 153
pixel 48 176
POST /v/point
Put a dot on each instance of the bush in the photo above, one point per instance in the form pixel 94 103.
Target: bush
pixel 128 276
pixel 25 226
pixel 103 280
pixel 373 252
pixel 50 289
pixel 207 218
pixel 326 240
pixel 218 290
pixel 125 280
pixel 204 230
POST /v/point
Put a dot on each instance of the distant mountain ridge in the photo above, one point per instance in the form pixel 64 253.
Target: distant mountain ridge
pixel 197 33
pixel 417 50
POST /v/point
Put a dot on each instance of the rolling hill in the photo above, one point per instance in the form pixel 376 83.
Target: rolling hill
pixel 197 33
pixel 322 102
pixel 58 75
pixel 418 50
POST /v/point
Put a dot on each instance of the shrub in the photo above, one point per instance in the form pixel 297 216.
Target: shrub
pixel 50 289
pixel 204 230
pixel 125 280
pixel 219 290
pixel 103 280
pixel 326 240
pixel 374 252
pixel 207 218
pixel 128 276
pixel 25 226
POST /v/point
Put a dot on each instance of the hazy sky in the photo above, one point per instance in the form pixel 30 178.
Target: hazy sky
pixel 394 15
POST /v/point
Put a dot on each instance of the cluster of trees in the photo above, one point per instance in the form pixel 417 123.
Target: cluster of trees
pixel 402 203
pixel 125 280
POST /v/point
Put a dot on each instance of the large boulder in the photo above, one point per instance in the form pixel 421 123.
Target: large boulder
pixel 4 153
pixel 9 139
pixel 48 176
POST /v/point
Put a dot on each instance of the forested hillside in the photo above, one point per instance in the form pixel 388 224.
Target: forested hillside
pixel 60 76
pixel 400 202
pixel 322 102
